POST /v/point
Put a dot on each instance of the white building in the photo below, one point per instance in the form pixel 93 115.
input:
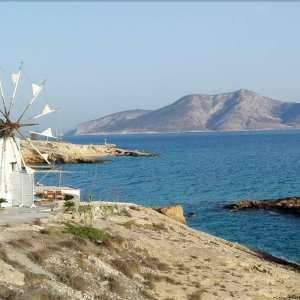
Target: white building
pixel 16 186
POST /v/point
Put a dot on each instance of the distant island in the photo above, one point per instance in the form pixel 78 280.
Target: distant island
pixel 234 111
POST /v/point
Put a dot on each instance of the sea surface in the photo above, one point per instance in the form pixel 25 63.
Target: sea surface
pixel 202 172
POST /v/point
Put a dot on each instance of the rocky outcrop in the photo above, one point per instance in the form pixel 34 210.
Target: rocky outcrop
pixel 63 152
pixel 290 205
pixel 122 152
pixel 173 212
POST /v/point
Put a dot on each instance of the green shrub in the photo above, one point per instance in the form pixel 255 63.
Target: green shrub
pixel 109 209
pixel 69 206
pixel 129 224
pixel 45 231
pixel 2 200
pixel 90 233
pixel 85 208
pixel 155 226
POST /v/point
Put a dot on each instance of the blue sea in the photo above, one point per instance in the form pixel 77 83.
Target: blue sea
pixel 202 172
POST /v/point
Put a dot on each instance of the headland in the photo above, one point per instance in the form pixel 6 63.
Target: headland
pixel 65 152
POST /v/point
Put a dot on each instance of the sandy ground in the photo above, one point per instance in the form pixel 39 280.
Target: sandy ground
pixel 149 256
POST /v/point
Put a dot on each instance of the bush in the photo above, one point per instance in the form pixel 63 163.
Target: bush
pixel 2 200
pixel 38 257
pixel 20 243
pixel 45 231
pixel 70 279
pixel 90 233
pixel 129 224
pixel 116 286
pixel 85 208
pixel 155 227
pixel 69 206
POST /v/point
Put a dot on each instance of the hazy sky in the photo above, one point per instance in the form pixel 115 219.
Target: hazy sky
pixel 104 57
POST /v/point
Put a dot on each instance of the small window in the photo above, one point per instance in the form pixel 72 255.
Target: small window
pixel 14 166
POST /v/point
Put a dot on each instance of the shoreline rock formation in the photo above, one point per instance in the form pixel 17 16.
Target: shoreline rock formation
pixel 288 205
pixel 174 212
pixel 125 251
pixel 64 152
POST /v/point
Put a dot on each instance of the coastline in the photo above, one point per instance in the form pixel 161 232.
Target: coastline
pixel 150 256
pixel 66 152
pixel 183 132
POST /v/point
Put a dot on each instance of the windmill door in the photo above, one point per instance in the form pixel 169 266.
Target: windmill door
pixel 22 189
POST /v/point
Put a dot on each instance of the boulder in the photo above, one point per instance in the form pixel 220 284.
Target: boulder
pixel 174 212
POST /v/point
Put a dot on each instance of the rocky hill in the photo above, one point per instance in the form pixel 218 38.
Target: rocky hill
pixel 113 122
pixel 234 111
pixel 124 251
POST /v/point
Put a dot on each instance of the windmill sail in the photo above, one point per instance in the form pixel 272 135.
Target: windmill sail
pixel 15 78
pixel 47 133
pixel 35 89
pixel 47 110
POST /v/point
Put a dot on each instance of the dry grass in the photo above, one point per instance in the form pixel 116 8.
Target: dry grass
pixel 126 213
pixel 153 263
pixel 29 276
pixel 7 293
pixel 134 207
pixel 117 239
pixel 45 231
pixel 129 224
pixel 67 277
pixel 3 255
pixel 147 294
pixel 37 222
pixel 20 243
pixel 152 277
pixel 127 266
pixel 34 293
pixel 85 265
pixel 116 286
pixel 39 256
pixel 197 295
pixel 170 280
pixel 72 244
pixel 183 267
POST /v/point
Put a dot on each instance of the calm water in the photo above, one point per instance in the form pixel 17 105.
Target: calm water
pixel 202 171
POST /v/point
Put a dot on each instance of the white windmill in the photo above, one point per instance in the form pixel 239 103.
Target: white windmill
pixel 16 178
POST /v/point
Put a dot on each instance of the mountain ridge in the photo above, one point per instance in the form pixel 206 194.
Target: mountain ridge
pixel 233 111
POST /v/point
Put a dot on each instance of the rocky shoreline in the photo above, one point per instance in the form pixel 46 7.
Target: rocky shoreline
pixel 288 205
pixel 64 152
